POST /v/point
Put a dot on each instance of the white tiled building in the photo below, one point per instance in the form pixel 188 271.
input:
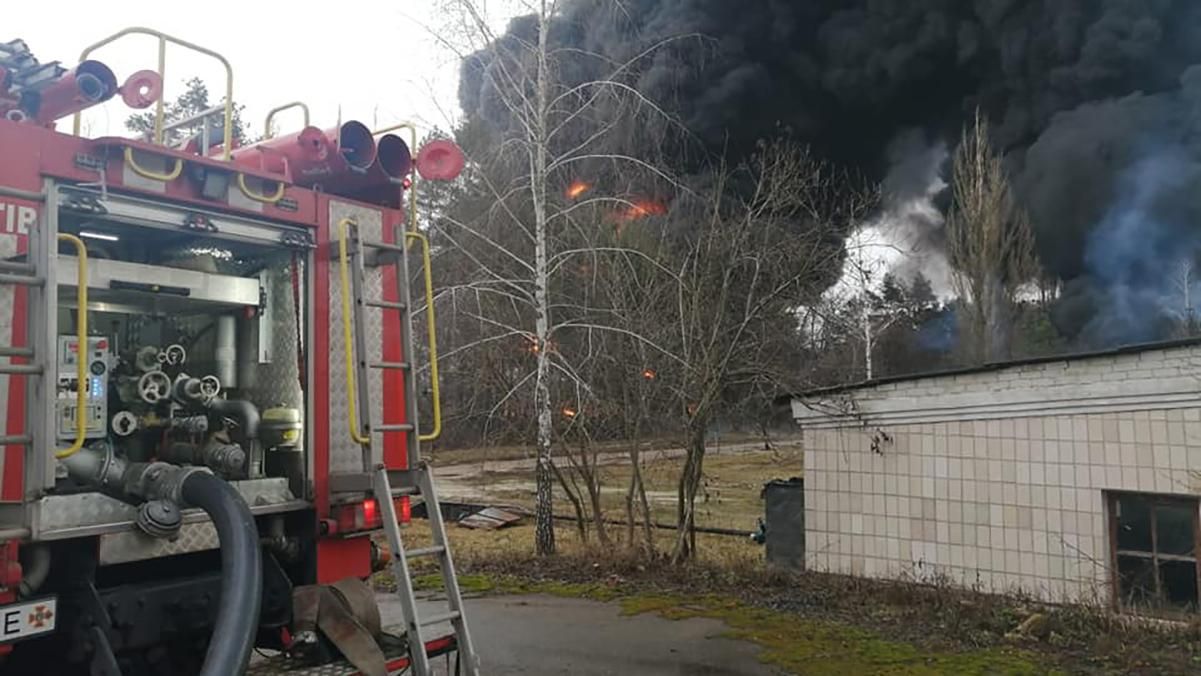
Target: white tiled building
pixel 1072 479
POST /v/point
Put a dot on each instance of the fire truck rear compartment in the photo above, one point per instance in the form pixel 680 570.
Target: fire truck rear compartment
pixel 184 324
pixel 179 394
pixel 194 358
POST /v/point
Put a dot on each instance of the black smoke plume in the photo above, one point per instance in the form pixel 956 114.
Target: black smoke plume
pixel 1092 101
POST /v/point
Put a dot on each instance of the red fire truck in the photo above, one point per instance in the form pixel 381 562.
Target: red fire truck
pixel 208 385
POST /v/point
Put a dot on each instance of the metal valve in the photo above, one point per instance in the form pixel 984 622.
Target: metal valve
pixel 154 386
pixel 124 424
pixel 173 355
pixel 210 387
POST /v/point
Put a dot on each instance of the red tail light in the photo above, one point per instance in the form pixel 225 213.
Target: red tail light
pixel 371 514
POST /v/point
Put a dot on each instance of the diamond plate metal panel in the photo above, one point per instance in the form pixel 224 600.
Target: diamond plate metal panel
pixel 137 546
pixel 61 515
pixel 345 455
pixel 277 382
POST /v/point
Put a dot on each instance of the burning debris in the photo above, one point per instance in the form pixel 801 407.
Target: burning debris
pixel 641 209
pixel 576 190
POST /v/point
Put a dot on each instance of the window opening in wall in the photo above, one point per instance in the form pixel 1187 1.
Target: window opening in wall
pixel 1155 546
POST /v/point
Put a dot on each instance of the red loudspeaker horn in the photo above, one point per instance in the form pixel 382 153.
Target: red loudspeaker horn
pixel 142 89
pixel 440 160
pixel 394 157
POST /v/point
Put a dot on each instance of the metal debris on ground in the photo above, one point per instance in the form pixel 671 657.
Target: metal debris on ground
pixel 490 518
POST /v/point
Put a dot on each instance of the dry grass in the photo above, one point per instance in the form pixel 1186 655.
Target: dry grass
pixel 730 495
pixel 457 456
pixel 481 548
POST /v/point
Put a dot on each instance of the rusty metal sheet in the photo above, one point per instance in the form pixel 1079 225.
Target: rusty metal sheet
pixel 490 518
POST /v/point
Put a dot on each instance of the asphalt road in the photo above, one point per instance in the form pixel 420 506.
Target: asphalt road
pixel 550 635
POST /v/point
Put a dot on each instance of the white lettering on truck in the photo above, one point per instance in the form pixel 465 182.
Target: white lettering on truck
pixel 16 219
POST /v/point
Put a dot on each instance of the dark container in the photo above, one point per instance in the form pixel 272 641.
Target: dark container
pixel 785 520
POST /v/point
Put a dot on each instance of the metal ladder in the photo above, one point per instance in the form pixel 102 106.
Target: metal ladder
pixel 417 480
pixel 36 274
pixel 24 358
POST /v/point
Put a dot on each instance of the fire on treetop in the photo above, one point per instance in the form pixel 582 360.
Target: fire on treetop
pixel 576 189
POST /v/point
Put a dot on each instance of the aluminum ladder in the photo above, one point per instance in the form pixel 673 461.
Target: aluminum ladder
pixel 387 484
pixel 36 274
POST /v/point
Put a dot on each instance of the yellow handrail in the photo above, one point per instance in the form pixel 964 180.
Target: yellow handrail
pixel 258 197
pixel 279 109
pixel 432 334
pixel 352 415
pixel 163 39
pixel 81 350
pixel 413 149
pixel 152 175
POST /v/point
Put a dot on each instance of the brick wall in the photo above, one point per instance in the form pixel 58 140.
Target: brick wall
pixel 997 479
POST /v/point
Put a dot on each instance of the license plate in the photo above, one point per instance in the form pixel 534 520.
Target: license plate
pixel 26 620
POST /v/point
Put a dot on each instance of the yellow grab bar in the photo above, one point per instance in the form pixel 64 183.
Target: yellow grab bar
pixel 279 109
pixel 431 333
pixel 412 149
pixel 163 39
pixel 352 414
pixel 258 197
pixel 152 175
pixel 81 350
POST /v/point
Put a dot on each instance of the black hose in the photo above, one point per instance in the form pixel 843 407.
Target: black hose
pixel 241 573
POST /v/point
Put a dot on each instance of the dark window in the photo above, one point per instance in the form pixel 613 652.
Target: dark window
pixel 1155 542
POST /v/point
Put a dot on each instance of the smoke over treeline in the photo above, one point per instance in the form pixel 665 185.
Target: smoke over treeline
pixel 1093 101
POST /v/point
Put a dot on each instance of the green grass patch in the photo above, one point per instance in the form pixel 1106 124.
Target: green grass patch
pixel 816 647
pixel 792 643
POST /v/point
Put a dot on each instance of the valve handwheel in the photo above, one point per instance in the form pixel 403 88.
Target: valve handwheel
pixel 210 387
pixel 175 354
pixel 154 386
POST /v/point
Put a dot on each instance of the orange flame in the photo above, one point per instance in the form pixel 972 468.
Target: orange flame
pixel 649 374
pixel 534 347
pixel 569 412
pixel 641 209
pixel 576 189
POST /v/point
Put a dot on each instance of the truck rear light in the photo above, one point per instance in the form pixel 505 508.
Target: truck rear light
pixel 358 517
pixel 371 517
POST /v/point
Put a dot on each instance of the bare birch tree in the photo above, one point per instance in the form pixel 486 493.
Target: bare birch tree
pixel 555 128
pixel 990 244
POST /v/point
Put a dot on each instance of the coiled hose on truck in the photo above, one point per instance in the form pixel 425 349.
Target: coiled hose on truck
pixel 241 560
pixel 241 573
